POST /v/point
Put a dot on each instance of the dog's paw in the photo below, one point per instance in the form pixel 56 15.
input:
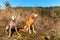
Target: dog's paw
pixel 34 31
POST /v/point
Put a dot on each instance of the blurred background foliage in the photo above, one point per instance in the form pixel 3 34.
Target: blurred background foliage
pixel 47 24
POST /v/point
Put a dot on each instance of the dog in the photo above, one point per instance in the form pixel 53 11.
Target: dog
pixel 12 25
pixel 30 23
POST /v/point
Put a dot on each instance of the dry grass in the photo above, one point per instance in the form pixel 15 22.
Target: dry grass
pixel 46 27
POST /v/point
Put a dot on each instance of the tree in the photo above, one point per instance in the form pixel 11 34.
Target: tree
pixel 7 4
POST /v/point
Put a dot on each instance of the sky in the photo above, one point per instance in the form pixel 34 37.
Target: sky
pixel 31 3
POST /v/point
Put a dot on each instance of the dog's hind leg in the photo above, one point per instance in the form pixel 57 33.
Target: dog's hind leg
pixel 29 29
pixel 10 31
pixel 7 28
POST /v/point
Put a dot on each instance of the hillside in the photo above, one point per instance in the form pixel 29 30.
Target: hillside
pixel 47 24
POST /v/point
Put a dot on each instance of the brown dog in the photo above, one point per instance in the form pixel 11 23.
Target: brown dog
pixel 30 22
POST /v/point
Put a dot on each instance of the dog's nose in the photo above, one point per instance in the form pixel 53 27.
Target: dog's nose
pixel 36 15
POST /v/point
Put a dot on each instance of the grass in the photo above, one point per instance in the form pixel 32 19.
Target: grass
pixel 45 25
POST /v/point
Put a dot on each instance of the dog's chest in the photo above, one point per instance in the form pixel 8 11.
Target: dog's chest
pixel 30 21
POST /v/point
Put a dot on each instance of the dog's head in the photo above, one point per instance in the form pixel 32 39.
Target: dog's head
pixel 13 17
pixel 33 15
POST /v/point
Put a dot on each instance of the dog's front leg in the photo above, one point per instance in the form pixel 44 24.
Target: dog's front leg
pixel 17 31
pixel 33 29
